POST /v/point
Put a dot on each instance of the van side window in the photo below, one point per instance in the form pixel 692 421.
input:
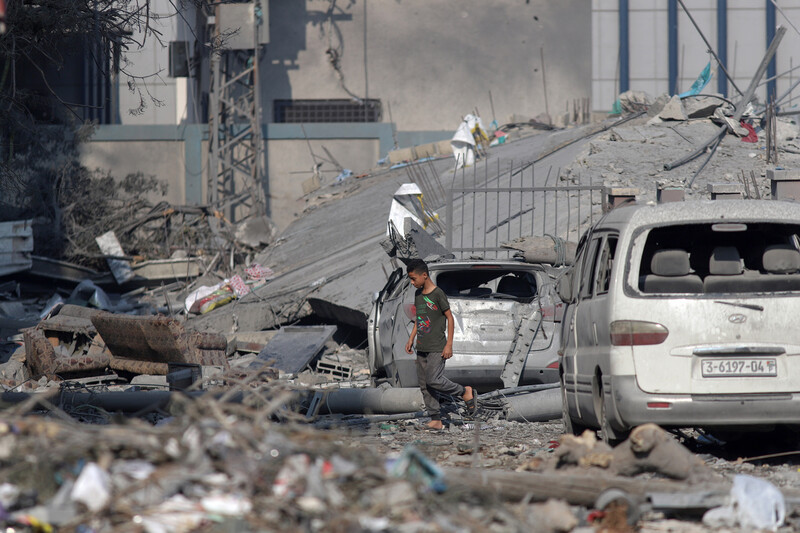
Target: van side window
pixel 604 265
pixel 588 268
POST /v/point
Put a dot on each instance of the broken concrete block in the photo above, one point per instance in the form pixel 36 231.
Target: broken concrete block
pixel 255 232
pixel 425 150
pixel 634 101
pixel 145 344
pixel 673 110
pixel 401 155
pixel 109 245
pixel 701 106
pixel 658 104
pixel 444 147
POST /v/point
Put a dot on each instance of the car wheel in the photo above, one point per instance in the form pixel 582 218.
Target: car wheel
pixel 610 436
pixel 571 426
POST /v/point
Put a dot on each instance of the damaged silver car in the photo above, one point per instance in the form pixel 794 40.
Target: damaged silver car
pixel 506 316
pixel 683 315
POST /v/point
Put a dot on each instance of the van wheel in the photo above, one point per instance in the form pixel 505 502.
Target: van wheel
pixel 610 436
pixel 571 427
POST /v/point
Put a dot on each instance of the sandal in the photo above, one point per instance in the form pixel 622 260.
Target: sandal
pixel 472 403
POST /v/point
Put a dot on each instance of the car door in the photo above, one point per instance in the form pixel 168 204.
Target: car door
pixel 377 314
pixel 581 368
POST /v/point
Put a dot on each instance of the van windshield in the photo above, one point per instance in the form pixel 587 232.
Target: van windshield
pixel 720 258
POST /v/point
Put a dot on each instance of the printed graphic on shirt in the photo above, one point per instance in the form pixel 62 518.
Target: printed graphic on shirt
pixel 430 320
pixel 423 326
pixel 430 303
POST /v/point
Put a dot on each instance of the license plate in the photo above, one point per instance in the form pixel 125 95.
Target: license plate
pixel 739 367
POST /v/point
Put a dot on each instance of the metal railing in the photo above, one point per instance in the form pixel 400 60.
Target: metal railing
pixel 486 211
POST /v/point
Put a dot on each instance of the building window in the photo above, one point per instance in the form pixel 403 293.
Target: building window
pixel 306 111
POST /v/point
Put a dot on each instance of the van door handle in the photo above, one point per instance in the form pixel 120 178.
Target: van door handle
pixel 594 332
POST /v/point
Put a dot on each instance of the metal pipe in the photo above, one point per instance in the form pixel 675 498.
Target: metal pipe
pixel 535 406
pixel 624 47
pixel 387 401
pixel 722 43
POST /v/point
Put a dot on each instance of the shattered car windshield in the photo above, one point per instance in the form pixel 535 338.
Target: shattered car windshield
pixel 488 283
pixel 708 258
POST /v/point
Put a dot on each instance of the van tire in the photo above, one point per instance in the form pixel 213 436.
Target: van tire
pixel 610 436
pixel 571 427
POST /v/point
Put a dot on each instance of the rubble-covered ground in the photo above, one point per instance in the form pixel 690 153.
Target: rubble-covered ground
pixel 248 458
pixel 634 155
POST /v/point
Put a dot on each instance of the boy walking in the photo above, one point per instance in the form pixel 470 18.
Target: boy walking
pixel 433 346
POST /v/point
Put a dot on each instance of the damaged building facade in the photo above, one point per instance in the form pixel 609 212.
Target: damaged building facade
pixel 348 81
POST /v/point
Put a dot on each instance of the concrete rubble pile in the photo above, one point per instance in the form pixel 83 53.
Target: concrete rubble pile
pixel 634 156
pixel 246 466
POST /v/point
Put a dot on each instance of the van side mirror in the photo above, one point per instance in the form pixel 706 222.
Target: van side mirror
pixel 564 287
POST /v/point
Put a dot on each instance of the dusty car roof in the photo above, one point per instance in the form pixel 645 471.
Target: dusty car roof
pixel 503 263
pixel 704 210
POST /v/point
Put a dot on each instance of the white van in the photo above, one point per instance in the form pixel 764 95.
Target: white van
pixel 683 314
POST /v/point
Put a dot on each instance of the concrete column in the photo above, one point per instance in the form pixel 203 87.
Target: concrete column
pixel 784 184
pixel 726 191
pixel 616 196
pixel 666 194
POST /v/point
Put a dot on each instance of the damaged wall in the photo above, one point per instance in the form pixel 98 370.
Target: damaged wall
pixel 432 62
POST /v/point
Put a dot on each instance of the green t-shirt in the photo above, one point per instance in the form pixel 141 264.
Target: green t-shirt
pixel 431 323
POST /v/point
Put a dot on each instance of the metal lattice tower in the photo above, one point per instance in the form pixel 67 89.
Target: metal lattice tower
pixel 236 150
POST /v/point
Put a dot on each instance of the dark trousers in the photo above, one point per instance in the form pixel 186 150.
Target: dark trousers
pixel 430 373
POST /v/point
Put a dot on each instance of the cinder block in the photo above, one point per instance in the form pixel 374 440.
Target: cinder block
pixel 665 195
pixel 726 191
pixel 784 184
pixel 616 196
pixel 403 154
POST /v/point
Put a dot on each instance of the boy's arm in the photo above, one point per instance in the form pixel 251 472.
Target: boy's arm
pixel 410 343
pixel 447 353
